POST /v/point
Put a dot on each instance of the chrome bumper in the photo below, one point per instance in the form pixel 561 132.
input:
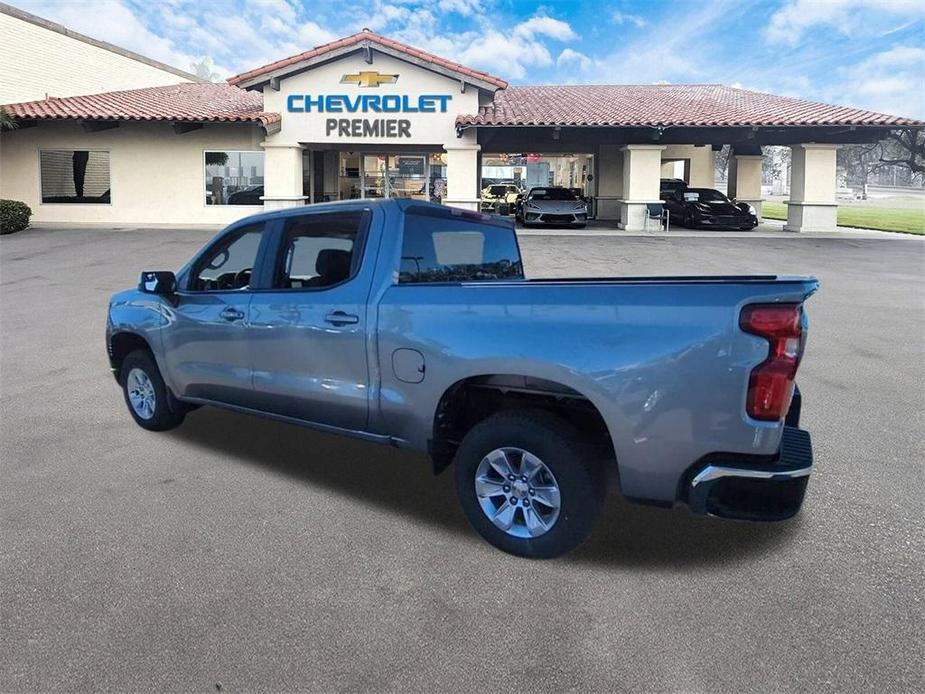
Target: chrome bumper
pixel 768 492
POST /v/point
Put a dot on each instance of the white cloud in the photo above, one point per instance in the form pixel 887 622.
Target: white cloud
pixel 311 34
pixel 466 8
pixel 545 26
pixel 849 17
pixel 238 35
pixel 619 17
pixel 892 81
pixel 569 58
pixel 508 52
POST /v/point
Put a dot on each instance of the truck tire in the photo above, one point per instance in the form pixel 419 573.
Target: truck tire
pixel 146 394
pixel 528 484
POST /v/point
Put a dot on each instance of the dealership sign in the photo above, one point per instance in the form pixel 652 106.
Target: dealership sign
pixel 368 103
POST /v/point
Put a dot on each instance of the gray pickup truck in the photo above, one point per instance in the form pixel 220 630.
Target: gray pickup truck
pixel 412 324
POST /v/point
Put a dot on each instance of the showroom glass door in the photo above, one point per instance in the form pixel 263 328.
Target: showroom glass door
pixel 417 176
pixel 375 176
pixel 408 176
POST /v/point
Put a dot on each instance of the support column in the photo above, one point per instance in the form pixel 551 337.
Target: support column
pixel 282 177
pixel 703 167
pixel 812 205
pixel 609 182
pixel 745 179
pixel 642 166
pixel 462 173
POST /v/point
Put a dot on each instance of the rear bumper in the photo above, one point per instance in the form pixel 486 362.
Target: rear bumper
pixel 765 492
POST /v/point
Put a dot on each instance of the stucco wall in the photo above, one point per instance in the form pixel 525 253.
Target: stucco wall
pixel 701 162
pixel 38 61
pixel 156 175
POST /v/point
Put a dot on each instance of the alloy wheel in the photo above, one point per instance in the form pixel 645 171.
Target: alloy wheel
pixel 518 492
pixel 141 394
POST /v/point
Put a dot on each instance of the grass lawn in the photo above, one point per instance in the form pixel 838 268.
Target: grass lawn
pixel 907 221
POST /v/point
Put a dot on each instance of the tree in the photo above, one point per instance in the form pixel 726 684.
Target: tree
pixel 721 162
pixel 775 163
pixel 901 149
pixel 7 122
pixel 202 68
pixel 905 148
pixel 216 158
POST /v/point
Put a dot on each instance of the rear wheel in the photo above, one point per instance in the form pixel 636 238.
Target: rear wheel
pixel 146 394
pixel 528 485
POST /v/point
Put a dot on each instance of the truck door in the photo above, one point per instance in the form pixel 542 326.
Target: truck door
pixel 205 345
pixel 307 329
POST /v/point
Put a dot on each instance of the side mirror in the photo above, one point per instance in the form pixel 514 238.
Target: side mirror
pixel 162 283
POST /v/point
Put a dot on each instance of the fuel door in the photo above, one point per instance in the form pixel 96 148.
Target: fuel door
pixel 408 365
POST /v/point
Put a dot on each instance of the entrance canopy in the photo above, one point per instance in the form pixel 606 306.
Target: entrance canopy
pixel 571 117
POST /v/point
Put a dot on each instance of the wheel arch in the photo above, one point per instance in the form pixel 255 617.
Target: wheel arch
pixel 472 399
pixel 123 343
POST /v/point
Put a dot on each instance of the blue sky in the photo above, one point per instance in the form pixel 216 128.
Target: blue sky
pixel 865 53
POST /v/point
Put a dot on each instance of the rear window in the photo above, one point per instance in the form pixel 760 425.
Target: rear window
pixel 455 249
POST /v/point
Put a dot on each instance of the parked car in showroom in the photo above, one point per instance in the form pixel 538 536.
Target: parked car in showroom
pixel 499 198
pixel 709 209
pixel 670 186
pixel 552 206
pixel 247 196
pixel 412 324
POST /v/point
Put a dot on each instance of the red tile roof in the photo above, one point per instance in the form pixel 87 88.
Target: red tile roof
pixel 372 37
pixel 704 105
pixel 196 103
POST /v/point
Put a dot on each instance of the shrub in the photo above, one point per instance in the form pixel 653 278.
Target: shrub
pixel 14 216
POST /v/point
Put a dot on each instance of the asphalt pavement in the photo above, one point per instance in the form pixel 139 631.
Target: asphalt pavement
pixel 237 553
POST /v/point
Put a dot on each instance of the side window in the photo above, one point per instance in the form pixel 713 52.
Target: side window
pixel 318 250
pixel 440 248
pixel 228 265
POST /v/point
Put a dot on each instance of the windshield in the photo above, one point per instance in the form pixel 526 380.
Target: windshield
pixel 704 195
pixel 551 194
pixel 498 191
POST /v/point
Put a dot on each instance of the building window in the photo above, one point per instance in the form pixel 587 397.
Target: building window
pixel 75 176
pixel 234 178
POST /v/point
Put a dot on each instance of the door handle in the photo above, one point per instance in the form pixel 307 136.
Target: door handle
pixel 232 314
pixel 341 318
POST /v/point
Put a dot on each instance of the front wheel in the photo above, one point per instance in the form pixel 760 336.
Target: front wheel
pixel 146 394
pixel 528 485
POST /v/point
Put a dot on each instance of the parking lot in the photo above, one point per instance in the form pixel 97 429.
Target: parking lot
pixel 236 553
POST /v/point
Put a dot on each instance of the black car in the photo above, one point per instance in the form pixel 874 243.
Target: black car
pixel 667 186
pixel 247 196
pixel 708 208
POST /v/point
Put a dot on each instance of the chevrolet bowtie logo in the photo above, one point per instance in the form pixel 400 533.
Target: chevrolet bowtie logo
pixel 369 78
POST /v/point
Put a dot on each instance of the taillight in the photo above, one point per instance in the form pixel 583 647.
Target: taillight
pixel 770 385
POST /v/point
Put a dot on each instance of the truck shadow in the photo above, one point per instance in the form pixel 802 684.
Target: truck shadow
pixel 627 535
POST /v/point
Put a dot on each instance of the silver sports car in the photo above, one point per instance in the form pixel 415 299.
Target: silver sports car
pixel 554 206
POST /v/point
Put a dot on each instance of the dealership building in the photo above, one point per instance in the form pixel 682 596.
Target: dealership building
pixel 369 117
